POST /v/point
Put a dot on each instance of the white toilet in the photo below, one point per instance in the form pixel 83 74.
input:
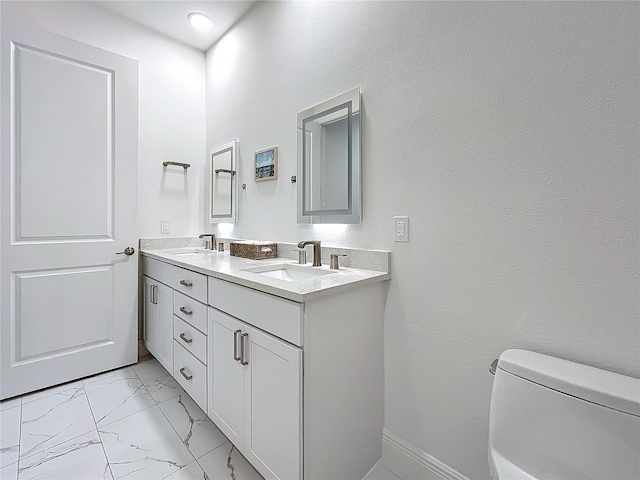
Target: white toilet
pixel 555 419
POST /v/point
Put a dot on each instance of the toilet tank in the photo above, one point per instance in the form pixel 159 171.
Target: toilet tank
pixel 552 418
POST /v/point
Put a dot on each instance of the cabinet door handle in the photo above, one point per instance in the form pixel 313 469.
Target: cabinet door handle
pixel 185 339
pixel 185 311
pixel 186 283
pixel 243 360
pixel 154 294
pixel 235 345
pixel 188 377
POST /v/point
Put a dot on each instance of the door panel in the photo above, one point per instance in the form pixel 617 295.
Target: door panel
pixel 64 137
pixel 273 393
pixel 226 406
pixel 68 204
pixel 150 315
pixel 85 322
pixel 165 327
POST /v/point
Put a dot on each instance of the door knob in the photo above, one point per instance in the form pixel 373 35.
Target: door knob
pixel 127 251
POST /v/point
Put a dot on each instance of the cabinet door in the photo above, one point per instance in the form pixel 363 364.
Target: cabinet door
pixel 273 406
pixel 150 315
pixel 164 348
pixel 225 376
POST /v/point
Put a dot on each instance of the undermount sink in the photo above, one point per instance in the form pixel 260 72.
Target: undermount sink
pixel 289 272
pixel 195 251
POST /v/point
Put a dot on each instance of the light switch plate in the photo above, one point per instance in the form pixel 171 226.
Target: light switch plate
pixel 401 229
pixel 164 226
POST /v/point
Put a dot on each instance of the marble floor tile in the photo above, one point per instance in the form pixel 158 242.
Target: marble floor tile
pixel 10 435
pixel 10 472
pixel 10 403
pixel 193 471
pixel 126 371
pixel 54 419
pixel 149 369
pixel 164 388
pixel 197 432
pixel 116 396
pixel 226 462
pixel 81 458
pixel 158 382
pixel 144 445
pixel 32 397
pixel 51 434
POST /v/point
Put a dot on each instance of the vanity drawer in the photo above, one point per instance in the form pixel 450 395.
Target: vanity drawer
pixel 280 317
pixel 191 374
pixel 190 310
pixel 190 338
pixel 188 282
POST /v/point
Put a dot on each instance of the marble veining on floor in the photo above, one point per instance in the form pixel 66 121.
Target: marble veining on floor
pixel 132 423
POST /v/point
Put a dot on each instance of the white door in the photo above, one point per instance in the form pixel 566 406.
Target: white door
pixel 226 406
pixel 273 405
pixel 68 194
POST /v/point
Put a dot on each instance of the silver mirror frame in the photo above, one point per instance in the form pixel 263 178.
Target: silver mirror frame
pixel 353 214
pixel 232 173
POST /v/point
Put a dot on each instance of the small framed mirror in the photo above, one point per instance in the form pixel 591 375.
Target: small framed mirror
pixel 329 161
pixel 223 183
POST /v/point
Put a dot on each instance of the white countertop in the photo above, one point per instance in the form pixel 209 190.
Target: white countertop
pixel 233 269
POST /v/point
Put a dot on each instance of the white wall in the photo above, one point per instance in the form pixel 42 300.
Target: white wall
pixel 171 105
pixel 508 132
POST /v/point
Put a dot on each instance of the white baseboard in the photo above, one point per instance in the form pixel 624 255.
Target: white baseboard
pixel 410 463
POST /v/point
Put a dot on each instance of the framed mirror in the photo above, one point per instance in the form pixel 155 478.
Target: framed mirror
pixel 223 183
pixel 329 139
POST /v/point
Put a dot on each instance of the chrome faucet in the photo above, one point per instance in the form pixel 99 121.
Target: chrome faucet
pixel 211 246
pixel 317 259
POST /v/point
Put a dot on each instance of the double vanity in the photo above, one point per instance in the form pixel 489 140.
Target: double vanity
pixel 286 359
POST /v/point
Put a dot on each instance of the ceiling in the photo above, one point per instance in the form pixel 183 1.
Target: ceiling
pixel 170 17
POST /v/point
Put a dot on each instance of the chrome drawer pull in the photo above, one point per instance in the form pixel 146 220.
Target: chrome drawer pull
pixel 243 337
pixel 185 311
pixel 185 339
pixel 186 283
pixel 188 377
pixel 154 294
pixel 235 345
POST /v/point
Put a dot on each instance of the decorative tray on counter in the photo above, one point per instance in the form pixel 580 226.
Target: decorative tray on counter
pixel 253 250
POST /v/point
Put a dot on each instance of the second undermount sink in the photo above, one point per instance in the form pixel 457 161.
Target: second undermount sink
pixel 289 272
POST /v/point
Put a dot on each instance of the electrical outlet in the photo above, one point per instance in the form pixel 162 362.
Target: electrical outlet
pixel 164 226
pixel 400 229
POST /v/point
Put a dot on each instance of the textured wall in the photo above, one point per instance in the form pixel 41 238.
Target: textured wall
pixel 171 105
pixel 508 132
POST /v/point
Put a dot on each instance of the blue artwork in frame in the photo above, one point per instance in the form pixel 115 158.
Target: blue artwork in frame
pixel 266 164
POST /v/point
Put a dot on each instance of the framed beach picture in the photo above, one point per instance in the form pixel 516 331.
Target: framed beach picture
pixel 266 167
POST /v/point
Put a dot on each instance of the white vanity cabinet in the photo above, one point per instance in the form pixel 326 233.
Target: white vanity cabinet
pixel 298 387
pixel 157 330
pixel 256 395
pixel 175 324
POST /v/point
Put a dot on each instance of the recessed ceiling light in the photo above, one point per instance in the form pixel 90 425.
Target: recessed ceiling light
pixel 200 21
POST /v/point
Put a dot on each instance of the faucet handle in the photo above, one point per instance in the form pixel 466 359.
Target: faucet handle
pixel 302 256
pixel 334 261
